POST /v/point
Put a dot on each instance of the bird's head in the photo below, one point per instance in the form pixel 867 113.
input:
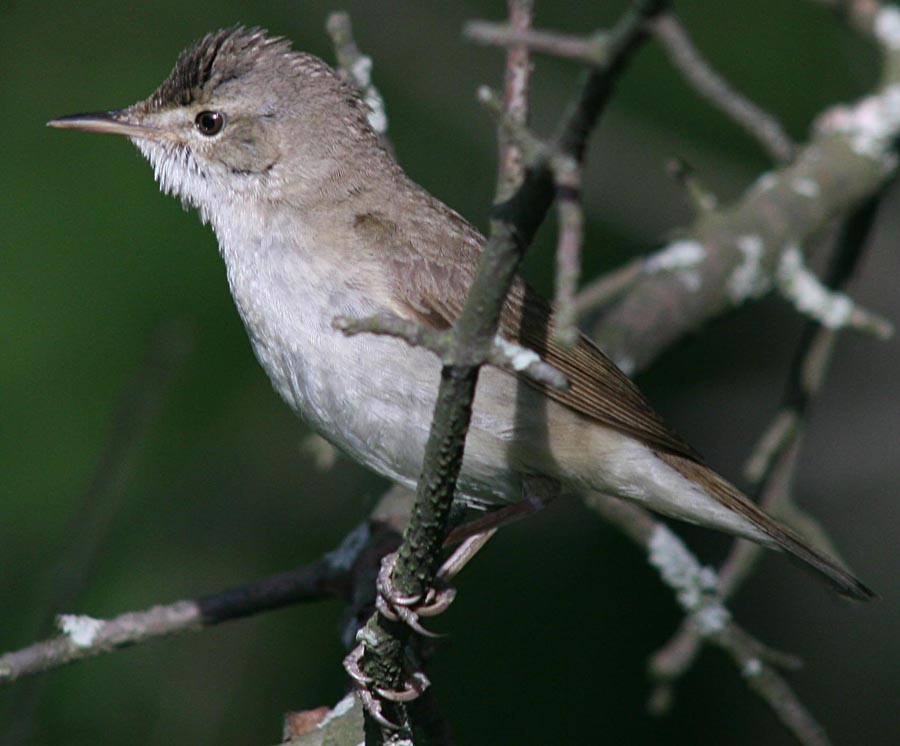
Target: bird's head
pixel 243 117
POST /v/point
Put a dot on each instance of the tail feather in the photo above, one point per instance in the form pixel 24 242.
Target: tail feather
pixel 844 582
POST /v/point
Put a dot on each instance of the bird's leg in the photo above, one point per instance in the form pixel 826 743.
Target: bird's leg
pixel 369 696
pixel 470 537
pixel 537 492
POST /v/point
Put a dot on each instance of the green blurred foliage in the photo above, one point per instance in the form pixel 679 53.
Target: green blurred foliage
pixel 546 646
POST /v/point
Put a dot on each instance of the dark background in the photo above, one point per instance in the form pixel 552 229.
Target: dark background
pixel 553 625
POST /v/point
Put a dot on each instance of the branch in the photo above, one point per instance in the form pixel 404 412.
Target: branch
pixel 607 288
pixel 591 50
pixel 138 407
pixel 511 168
pixel 514 221
pixel 342 573
pixel 854 149
pixel 502 353
pixel 825 305
pixel 356 67
pixel 86 637
pixel 567 178
pixel 848 158
pixel 695 589
pixel 710 84
pixel 774 459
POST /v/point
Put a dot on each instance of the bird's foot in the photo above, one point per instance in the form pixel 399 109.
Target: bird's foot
pixel 371 696
pixel 398 607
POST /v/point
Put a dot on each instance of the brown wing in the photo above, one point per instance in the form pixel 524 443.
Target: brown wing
pixel 597 388
pixel 433 292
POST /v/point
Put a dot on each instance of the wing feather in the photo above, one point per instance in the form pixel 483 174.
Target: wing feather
pixel 434 288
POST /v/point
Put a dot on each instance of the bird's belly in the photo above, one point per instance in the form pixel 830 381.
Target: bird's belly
pixel 373 397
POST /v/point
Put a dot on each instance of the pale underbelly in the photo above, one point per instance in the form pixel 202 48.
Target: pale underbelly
pixel 374 399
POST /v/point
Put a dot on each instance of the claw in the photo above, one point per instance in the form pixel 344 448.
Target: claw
pixel 398 608
pixel 386 587
pixel 402 614
pixel 437 601
pixel 417 684
pixel 408 608
pixel 353 668
pixel 370 702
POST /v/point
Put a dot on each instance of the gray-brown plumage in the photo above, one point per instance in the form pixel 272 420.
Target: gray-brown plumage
pixel 315 220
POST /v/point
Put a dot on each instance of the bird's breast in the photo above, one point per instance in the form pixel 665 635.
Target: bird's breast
pixel 370 395
pixel 373 396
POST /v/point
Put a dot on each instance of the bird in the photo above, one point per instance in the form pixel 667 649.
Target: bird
pixel 315 220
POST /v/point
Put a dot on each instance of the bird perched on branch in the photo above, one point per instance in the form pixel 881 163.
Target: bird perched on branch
pixel 315 220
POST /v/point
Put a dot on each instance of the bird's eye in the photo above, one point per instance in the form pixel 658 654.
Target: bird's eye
pixel 210 123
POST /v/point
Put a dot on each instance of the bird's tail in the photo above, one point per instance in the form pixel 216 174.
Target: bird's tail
pixel 785 538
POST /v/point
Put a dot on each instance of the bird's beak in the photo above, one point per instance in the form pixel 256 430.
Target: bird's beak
pixel 111 122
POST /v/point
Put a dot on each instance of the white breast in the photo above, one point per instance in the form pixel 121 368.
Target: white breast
pixel 372 396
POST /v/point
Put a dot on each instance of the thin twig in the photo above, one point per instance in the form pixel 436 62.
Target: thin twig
pixel 567 178
pixel 356 67
pixel 764 127
pixel 502 353
pixel 140 403
pixel 566 172
pixel 529 145
pixel 515 220
pixel 592 50
pixel 694 586
pixel 389 324
pixel 702 199
pixel 511 169
pixel 775 457
pixel 606 288
pixel 87 637
pixel 829 307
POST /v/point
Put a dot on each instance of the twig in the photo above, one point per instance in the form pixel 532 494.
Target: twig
pixel 357 68
pixel 701 198
pixel 514 222
pixel 566 173
pixel 529 145
pixel 694 586
pixel 848 158
pixel 139 405
pixel 827 306
pixel 511 169
pixel 86 637
pixel 592 50
pixel 389 324
pixel 338 573
pixel 774 459
pixel 502 353
pixel 606 288
pixel 567 177
pixel 703 77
